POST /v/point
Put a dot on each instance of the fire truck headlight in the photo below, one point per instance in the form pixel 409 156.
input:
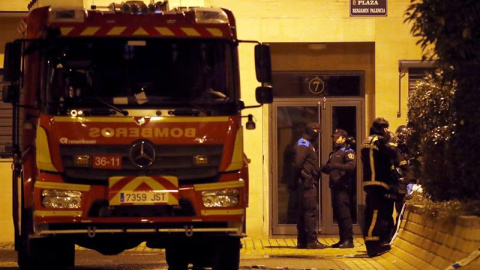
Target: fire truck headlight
pixel 67 199
pixel 210 15
pixel 220 198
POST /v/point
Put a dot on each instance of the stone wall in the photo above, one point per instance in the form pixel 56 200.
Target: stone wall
pixel 425 242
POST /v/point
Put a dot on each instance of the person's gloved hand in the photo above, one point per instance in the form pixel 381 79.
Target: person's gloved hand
pixel 327 168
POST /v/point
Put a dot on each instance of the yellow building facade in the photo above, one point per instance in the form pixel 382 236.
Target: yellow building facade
pixel 307 37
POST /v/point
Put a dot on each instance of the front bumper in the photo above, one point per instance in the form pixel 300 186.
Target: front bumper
pixel 98 216
pixel 92 230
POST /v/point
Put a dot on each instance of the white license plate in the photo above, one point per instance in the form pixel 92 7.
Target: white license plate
pixel 143 197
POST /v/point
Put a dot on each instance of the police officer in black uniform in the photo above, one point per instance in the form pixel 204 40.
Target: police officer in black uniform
pixel 305 172
pixel 340 167
pixel 378 159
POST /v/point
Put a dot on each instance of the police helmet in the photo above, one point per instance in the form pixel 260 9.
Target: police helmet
pixel 402 133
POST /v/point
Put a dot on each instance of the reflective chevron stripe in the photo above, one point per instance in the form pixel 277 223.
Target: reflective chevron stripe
pixel 102 30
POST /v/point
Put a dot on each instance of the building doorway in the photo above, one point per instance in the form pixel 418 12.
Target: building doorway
pixel 290 117
pixel 324 82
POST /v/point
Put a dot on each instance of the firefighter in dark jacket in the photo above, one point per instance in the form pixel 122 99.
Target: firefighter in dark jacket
pixel 340 167
pixel 403 172
pixel 305 172
pixel 378 160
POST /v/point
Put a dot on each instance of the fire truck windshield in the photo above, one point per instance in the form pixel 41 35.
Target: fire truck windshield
pixel 139 73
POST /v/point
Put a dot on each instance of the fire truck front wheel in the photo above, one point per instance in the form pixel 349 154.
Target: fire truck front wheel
pixel 220 253
pixel 227 254
pixel 177 256
pixel 45 253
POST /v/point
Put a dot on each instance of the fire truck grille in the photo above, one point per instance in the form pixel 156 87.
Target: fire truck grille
pixel 190 163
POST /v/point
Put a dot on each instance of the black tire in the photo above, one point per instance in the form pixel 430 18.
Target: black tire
pixel 177 256
pixel 219 253
pixel 227 255
pixel 45 253
pixel 204 255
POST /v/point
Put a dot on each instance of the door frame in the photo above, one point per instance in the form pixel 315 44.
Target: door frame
pixel 326 225
pixel 275 228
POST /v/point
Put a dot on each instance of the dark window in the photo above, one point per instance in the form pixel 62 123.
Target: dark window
pixel 415 74
pixel 416 70
pixel 314 84
pixel 5 124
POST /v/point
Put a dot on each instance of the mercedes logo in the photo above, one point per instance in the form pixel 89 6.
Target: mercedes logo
pixel 142 153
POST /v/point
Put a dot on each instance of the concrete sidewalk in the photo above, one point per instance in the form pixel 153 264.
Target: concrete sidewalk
pixel 278 247
pixel 330 258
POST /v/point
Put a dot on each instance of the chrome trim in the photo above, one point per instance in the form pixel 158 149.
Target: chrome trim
pixel 153 230
pixel 142 154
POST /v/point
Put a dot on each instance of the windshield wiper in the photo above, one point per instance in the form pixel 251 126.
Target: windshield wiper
pixel 194 110
pixel 117 109
pixel 185 112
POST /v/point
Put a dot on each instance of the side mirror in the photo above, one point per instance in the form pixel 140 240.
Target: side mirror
pixel 264 94
pixel 10 93
pixel 11 71
pixel 263 64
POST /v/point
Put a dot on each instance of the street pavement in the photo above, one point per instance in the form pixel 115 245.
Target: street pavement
pixel 256 253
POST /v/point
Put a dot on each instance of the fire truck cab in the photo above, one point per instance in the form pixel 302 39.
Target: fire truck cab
pixel 127 129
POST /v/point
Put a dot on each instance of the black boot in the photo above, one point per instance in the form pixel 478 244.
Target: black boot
pixel 316 245
pixel 301 245
pixel 343 244
pixel 377 249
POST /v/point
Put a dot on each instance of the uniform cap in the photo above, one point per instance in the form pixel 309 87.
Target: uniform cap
pixel 313 126
pixel 340 132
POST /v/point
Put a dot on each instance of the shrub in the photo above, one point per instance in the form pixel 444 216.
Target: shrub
pixel 449 32
pixel 431 116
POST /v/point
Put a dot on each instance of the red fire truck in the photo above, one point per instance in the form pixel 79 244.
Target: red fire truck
pixel 127 129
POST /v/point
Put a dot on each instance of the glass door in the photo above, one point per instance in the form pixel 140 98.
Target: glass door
pixel 290 118
pixel 344 113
